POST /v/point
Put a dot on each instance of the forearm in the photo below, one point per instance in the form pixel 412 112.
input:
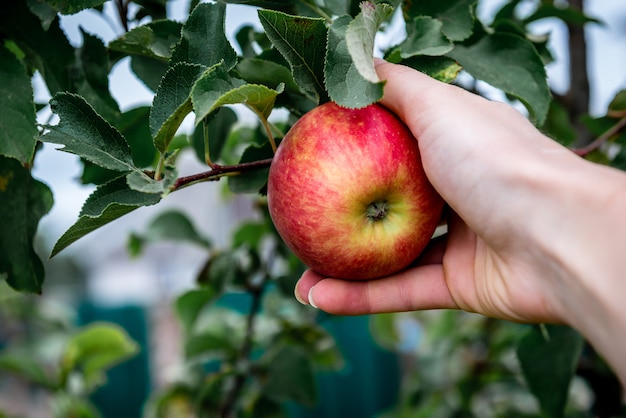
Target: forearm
pixel 583 232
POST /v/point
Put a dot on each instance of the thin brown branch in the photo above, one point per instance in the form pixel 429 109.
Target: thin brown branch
pixel 576 99
pixel 122 12
pixel 219 171
pixel 595 144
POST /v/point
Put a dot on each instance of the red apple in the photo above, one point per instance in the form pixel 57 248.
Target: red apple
pixel 348 194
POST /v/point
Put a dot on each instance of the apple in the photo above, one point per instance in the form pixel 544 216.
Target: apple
pixel 348 194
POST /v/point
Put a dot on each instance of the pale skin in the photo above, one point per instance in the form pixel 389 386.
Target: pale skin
pixel 535 232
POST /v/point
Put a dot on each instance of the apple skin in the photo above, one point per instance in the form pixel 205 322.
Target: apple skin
pixel 331 171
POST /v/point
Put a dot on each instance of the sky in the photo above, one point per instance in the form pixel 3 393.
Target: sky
pixel 60 170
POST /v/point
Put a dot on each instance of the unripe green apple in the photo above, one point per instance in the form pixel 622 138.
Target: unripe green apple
pixel 348 194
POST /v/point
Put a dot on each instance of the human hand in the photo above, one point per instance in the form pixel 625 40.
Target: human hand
pixel 486 160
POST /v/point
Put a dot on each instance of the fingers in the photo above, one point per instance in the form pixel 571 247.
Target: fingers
pixel 421 287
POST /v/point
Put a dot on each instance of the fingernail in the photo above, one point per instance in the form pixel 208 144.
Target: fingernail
pixel 297 295
pixel 310 297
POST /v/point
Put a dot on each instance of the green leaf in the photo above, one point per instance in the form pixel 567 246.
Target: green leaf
pixel 511 64
pixel 172 225
pixel 43 11
pixel 345 84
pixel 216 89
pixel 189 305
pixel 558 125
pixel 141 182
pixel 95 349
pixel 566 14
pixel 91 77
pixel 252 181
pixel 269 73
pixel 203 40
pixel 134 125
pixel 219 128
pixel 23 202
pixel 548 364
pixel 172 102
pixel 425 38
pixel 85 133
pixel 27 367
pixel 17 111
pixel 457 16
pixel 360 36
pixel 108 202
pixel 48 50
pixel 250 233
pixel 440 68
pixel 302 42
pixel 153 40
pixel 290 376
pixel 617 107
pixel 69 7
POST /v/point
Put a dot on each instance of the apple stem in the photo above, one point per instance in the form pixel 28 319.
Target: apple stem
pixel 377 211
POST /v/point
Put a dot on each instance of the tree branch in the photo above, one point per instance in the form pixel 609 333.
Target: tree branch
pixel 576 99
pixel 219 171
pixel 595 144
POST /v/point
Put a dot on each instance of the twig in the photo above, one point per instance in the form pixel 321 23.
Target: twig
pixel 122 11
pixel 219 171
pixel 595 144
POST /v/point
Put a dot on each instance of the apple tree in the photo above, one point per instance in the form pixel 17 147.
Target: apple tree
pixel 297 55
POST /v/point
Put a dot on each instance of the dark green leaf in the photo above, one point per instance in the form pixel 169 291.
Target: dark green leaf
pixel 43 11
pixel 17 111
pixel 210 343
pixel 173 225
pixel 269 73
pixel 172 102
pixel 108 202
pixel 150 71
pixel 457 16
pixel 91 77
pixel 566 14
pixel 282 5
pixel 250 233
pixel 134 125
pixel 95 349
pixel 153 40
pixel 47 50
pixel 360 35
pixel 617 107
pixel 548 360
pixel 345 84
pixel 290 376
pixel 23 202
pixel 558 125
pixel 441 68
pixel 87 134
pixel 219 128
pixel 302 42
pixel 511 64
pixel 425 38
pixel 252 181
pixel 189 305
pixel 203 38
pixel 69 7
